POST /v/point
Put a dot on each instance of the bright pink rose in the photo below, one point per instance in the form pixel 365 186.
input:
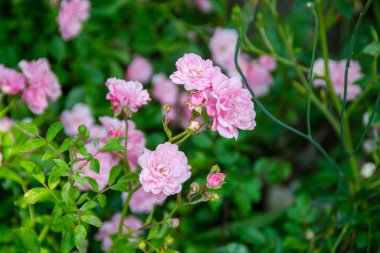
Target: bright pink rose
pixel 139 70
pixel 79 115
pixel 136 139
pixel 39 74
pixel 204 5
pixel 111 227
pixel 222 47
pixel 11 81
pixel 35 98
pixel 163 170
pixel 231 108
pixel 164 90
pixel 72 14
pixel 6 124
pixel 123 94
pixel 106 162
pixel 267 62
pixel 142 202
pixel 196 98
pixel 215 180
pixel 337 70
pixel 259 78
pixel 194 72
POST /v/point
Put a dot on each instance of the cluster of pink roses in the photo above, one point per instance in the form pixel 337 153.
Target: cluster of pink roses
pixel 258 73
pixel 37 83
pixel 72 14
pixel 336 71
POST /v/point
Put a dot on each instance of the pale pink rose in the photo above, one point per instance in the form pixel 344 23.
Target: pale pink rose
pixel 222 47
pixel 123 94
pixel 136 139
pixel 39 74
pixel 139 70
pixel 215 180
pixel 204 5
pixel 11 81
pixel 6 124
pixel 97 132
pixel 259 78
pixel 196 98
pixel 164 90
pixel 142 202
pixel 111 227
pixel 72 14
pixel 267 62
pixel 231 108
pixel 163 170
pixel 35 98
pixel 106 162
pixel 79 115
pixel 194 72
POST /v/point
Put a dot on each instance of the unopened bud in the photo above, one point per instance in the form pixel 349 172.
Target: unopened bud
pixel 367 170
pixel 194 126
pixel 169 240
pixel 167 108
pixel 142 245
pixel 196 99
pixel 206 196
pixel 174 222
pixel 215 180
pixel 82 129
pixel 194 188
pixel 309 5
pixel 215 169
pixel 214 197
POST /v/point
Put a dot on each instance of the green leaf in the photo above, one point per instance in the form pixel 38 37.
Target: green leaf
pixel 80 235
pixel 29 166
pixel 124 246
pixel 67 242
pixel 32 144
pixel 113 144
pixel 67 143
pixel 39 176
pixel 83 198
pixel 29 239
pixel 38 194
pixel 102 200
pixel 91 219
pixel 115 171
pixel 53 181
pixel 88 205
pixel 67 193
pixel 28 127
pixel 61 163
pixel 232 247
pixel 93 183
pixel 153 232
pixel 122 184
pixel 53 131
pixel 49 155
pixel 10 175
pixel 372 49
pixel 94 165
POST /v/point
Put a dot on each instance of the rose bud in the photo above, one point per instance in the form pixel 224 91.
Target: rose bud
pixel 215 180
pixel 194 188
pixel 196 99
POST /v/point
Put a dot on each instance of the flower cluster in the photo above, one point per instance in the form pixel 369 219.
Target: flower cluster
pixel 336 70
pixel 37 83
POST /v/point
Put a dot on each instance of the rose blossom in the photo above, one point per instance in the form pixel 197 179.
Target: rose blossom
pixel 79 115
pixel 259 78
pixel 6 124
pixel 230 106
pixel 194 72
pixel 35 98
pixel 135 141
pixel 215 180
pixel 222 47
pixel 126 94
pixel 267 62
pixel 204 5
pixel 142 202
pixel 111 227
pixel 106 162
pixel 163 170
pixel 196 99
pixel 72 14
pixel 164 90
pixel 139 69
pixel 11 81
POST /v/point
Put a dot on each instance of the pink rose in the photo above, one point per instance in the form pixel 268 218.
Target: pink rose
pixel 204 5
pixel 136 139
pixel 139 70
pixel 142 202
pixel 231 108
pixel 259 78
pixel 194 72
pixel 111 227
pixel 215 180
pixel 267 62
pixel 123 94
pixel 97 132
pixel 72 14
pixel 39 74
pixel 35 98
pixel 222 47
pixel 164 90
pixel 6 124
pixel 196 98
pixel 79 115
pixel 11 81
pixel 163 170
pixel 106 162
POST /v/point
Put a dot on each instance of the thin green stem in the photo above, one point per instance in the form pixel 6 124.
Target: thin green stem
pixel 342 234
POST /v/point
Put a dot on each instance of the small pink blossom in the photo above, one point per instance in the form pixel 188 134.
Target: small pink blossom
pixel 139 70
pixel 123 94
pixel 142 202
pixel 72 14
pixel 39 75
pixel 79 115
pixel 111 227
pixel 115 133
pixel 106 162
pixel 6 124
pixel 196 99
pixel 204 5
pixel 267 62
pixel 194 72
pixel 215 180
pixel 164 90
pixel 222 47
pixel 259 78
pixel 163 170
pixel 231 108
pixel 35 98
pixel 11 81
